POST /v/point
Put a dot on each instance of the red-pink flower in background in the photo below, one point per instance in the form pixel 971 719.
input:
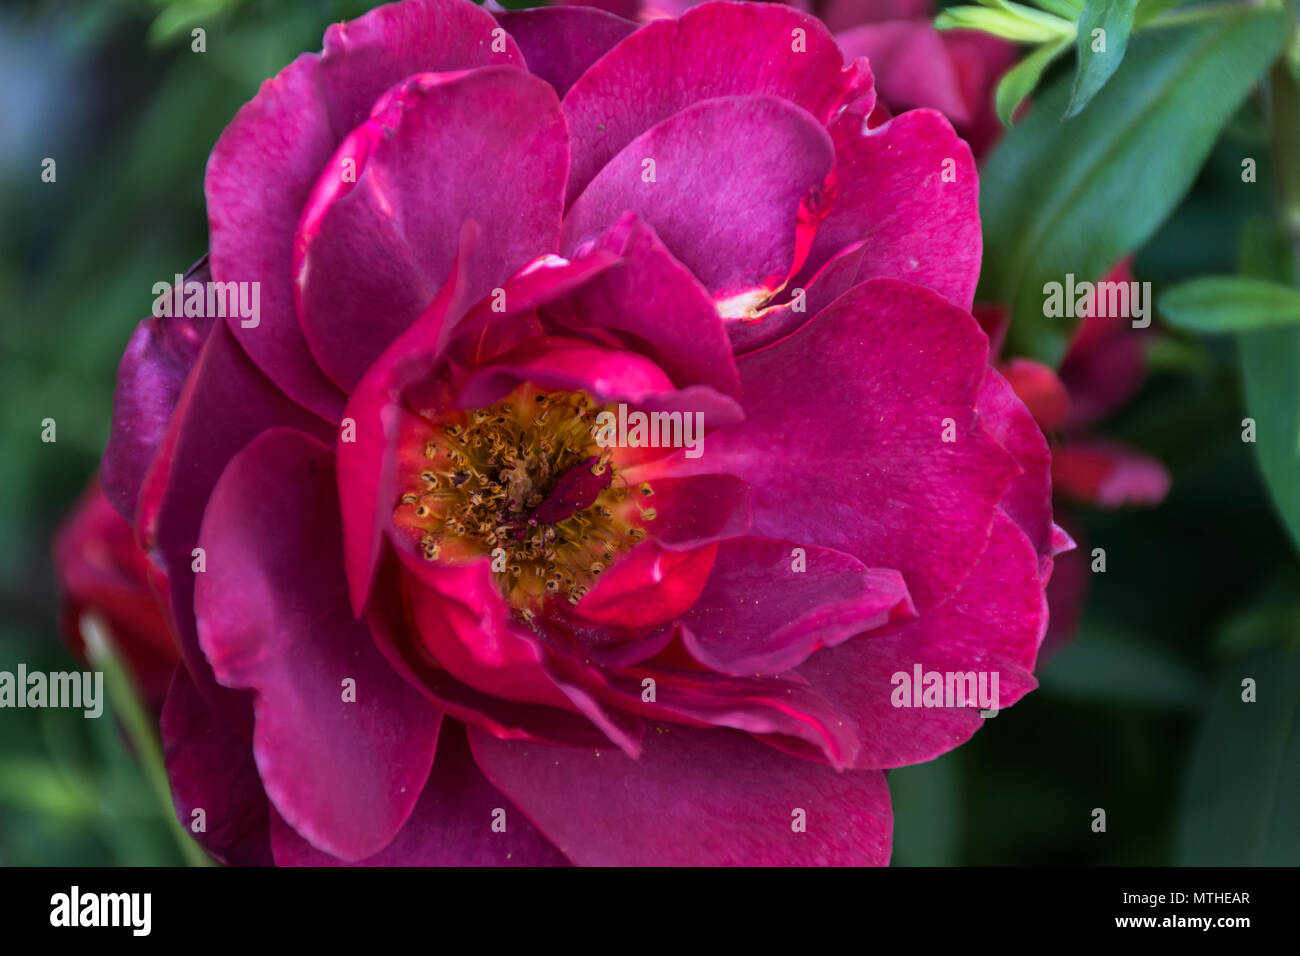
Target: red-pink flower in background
pixel 1102 370
pixel 102 570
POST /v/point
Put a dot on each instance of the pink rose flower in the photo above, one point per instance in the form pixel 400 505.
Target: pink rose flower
pixel 432 610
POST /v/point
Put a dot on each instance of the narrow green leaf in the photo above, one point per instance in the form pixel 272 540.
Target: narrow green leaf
pixel 1239 806
pixel 999 22
pixel 139 727
pixel 1074 197
pixel 1020 81
pixel 1100 53
pixel 1230 304
pixel 1270 372
pixel 1148 10
pixel 1065 9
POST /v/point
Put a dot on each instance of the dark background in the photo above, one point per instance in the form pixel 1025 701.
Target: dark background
pixel 1140 715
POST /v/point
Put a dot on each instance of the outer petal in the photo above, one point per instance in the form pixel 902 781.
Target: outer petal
pixel 259 175
pixel 728 178
pixel 343 744
pixel 909 188
pixel 1028 499
pixel 226 402
pixel 209 760
pixel 451 825
pixel 880 371
pixel 757 615
pixel 718 49
pixel 560 43
pixel 694 798
pixel 262 169
pixel 994 624
pixel 371 251
pixel 366 56
pixel 1067 591
pixel 149 380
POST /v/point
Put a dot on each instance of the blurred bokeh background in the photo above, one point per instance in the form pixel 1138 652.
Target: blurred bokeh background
pixel 1133 716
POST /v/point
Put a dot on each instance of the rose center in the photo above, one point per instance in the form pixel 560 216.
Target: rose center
pixel 525 483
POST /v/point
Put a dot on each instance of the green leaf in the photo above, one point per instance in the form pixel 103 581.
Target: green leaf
pixel 1112 666
pixel 928 801
pixel 1008 24
pixel 1270 370
pixel 1065 9
pixel 1230 304
pixel 1020 81
pixel 1239 805
pixel 1074 197
pixel 1148 10
pixel 1115 19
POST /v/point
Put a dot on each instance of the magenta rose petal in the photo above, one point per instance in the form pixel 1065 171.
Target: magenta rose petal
pixel 365 464
pixel 842 14
pixel 507 719
pixel 1029 496
pixel 909 188
pixel 718 49
pixel 370 254
pixel 267 160
pixel 694 798
pixel 757 616
pixel 607 375
pixel 910 64
pixel 226 402
pixel 647 588
pixel 653 300
pixel 728 178
pixel 697 510
pixel 994 624
pixel 836 276
pixel 465 625
pixel 210 765
pixel 150 377
pixel 903 366
pixel 343 744
pixel 784 712
pixel 451 824
pixel 560 43
pixel 258 177
pixel 364 57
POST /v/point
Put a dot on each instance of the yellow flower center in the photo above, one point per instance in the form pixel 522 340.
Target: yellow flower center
pixel 525 483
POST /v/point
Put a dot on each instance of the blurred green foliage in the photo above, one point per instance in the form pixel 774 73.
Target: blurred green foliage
pixel 1137 716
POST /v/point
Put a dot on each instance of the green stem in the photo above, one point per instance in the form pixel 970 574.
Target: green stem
pixel 139 728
